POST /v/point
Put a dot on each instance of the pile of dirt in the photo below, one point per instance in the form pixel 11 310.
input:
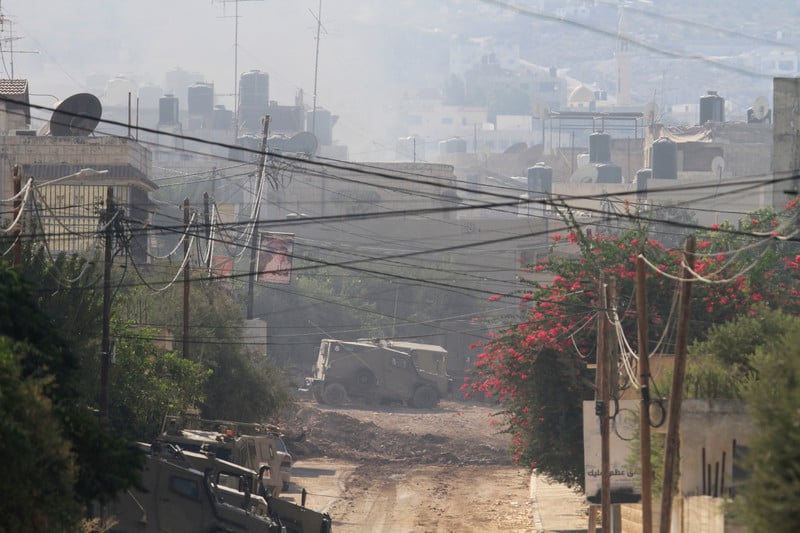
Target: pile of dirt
pixel 399 435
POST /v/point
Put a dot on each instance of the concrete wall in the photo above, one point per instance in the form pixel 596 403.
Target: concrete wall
pixel 786 136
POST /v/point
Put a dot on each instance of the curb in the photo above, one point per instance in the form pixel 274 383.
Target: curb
pixel 537 517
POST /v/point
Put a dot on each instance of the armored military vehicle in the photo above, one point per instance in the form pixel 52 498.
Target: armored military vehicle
pixel 187 491
pixel 247 444
pixel 380 371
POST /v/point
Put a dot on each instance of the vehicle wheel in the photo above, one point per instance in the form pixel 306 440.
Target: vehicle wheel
pixel 334 394
pixel 425 397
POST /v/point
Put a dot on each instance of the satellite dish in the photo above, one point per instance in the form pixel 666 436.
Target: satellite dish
pixel 304 142
pixel 717 165
pixel 651 112
pixel 77 116
pixel 760 108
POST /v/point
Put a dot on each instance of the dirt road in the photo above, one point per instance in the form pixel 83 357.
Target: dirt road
pixel 395 469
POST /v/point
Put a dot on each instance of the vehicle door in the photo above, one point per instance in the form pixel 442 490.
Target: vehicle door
pixel 399 374
pixel 181 501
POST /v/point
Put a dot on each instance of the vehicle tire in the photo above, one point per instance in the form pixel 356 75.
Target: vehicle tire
pixel 425 397
pixel 334 394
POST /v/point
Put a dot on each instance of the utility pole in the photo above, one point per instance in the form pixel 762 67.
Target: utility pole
pixel 105 357
pixel 235 63
pixel 644 409
pixel 316 71
pixel 256 212
pixel 17 260
pixel 602 397
pixel 207 226
pixel 676 395
pixel 186 278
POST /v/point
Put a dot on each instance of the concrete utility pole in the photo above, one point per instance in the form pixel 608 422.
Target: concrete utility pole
pixel 644 409
pixel 676 395
pixel 17 260
pixel 254 240
pixel 186 278
pixel 105 357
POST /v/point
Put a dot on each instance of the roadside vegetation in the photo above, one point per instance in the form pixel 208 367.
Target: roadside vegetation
pixel 742 323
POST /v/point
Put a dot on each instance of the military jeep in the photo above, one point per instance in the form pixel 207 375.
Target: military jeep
pixel 376 371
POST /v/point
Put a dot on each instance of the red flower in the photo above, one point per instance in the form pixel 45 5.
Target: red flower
pixel 494 298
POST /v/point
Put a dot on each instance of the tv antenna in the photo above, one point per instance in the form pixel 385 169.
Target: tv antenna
pixel 235 17
pixel 320 28
pixel 6 22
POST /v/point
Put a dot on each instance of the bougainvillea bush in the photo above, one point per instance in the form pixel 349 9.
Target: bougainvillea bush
pixel 536 368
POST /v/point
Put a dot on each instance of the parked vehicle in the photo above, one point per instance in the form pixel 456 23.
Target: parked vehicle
pixel 379 371
pixel 188 491
pixel 250 445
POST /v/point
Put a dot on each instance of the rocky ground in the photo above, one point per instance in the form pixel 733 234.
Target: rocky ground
pixel 393 468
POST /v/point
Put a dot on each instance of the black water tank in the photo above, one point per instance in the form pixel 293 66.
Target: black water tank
pixel 642 177
pixel 664 159
pixel 168 109
pixel 599 147
pixel 712 108
pixel 609 173
pixel 540 179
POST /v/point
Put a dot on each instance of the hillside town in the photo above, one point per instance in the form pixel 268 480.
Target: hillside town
pixel 240 301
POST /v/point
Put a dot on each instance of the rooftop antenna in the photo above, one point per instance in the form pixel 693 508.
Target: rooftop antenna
pixel 318 16
pixel 235 17
pixel 5 21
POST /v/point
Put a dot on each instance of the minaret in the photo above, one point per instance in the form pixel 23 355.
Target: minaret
pixel 623 57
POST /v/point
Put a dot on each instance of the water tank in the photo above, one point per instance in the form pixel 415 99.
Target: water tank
pixel 712 108
pixel 643 176
pixel 608 173
pixel 599 147
pixel 540 179
pixel 149 95
pixel 664 159
pixel 201 99
pixel 253 100
pixel 168 110
pixel 322 126
pixel 221 118
pixel 455 145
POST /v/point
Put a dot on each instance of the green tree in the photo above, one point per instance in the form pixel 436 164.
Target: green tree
pixel 39 464
pixel 148 382
pixel 769 497
pixel 105 463
pixel 238 385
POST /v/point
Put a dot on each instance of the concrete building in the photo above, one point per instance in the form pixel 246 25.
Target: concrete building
pixel 69 198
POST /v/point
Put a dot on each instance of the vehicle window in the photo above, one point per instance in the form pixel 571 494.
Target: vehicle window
pixel 281 446
pixel 188 488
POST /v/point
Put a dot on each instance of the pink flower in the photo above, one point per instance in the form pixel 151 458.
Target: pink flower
pixel 494 298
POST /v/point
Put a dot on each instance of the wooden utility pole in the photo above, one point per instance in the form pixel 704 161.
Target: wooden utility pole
pixel 186 278
pixel 601 406
pixel 105 357
pixel 644 409
pixel 676 395
pixel 17 260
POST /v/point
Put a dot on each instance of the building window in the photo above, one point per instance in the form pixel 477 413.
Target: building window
pixel 447 120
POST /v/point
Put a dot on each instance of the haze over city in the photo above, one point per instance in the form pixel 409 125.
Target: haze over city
pixel 372 54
